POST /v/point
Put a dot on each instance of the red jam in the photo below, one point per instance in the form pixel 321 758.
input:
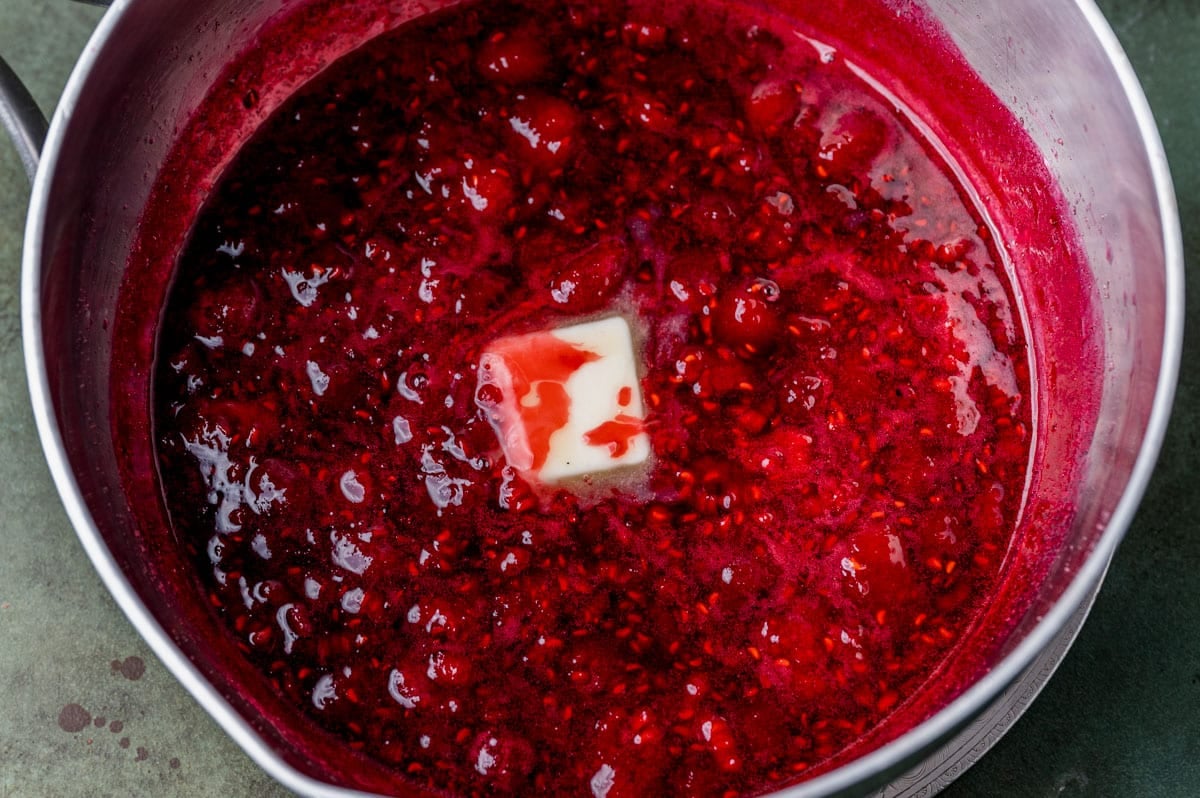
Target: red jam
pixel 836 380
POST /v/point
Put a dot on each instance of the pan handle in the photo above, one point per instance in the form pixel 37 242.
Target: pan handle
pixel 21 117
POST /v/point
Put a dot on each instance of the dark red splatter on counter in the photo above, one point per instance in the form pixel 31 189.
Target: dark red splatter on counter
pixel 142 755
pixel 132 668
pixel 116 727
pixel 123 742
pixel 99 721
pixel 174 763
pixel 73 718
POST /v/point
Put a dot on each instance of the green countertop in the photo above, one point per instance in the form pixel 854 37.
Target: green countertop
pixel 86 709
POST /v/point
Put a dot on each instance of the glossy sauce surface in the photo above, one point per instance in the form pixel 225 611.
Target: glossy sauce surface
pixel 835 373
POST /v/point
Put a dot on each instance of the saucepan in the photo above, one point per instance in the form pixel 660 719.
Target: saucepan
pixel 153 64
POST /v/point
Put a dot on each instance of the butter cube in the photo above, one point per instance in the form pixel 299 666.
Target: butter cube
pixel 565 403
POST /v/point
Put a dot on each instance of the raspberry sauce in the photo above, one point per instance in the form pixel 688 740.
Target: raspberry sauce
pixel 835 372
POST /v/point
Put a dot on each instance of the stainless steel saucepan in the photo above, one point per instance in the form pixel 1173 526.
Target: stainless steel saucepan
pixel 151 63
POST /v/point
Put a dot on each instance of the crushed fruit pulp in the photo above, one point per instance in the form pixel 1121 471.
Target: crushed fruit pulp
pixel 835 374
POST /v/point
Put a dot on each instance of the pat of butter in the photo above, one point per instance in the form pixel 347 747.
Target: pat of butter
pixel 565 403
